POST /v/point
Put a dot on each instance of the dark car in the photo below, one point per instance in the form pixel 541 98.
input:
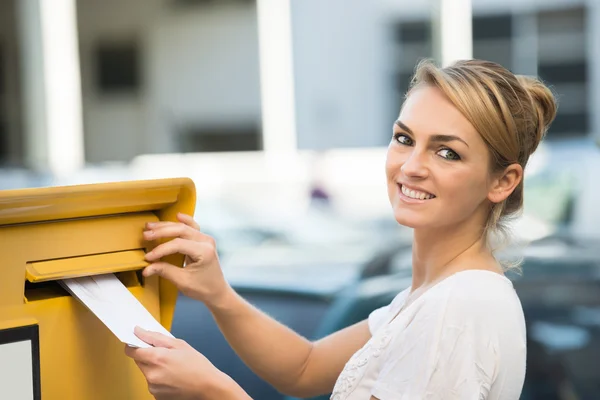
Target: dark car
pixel 559 287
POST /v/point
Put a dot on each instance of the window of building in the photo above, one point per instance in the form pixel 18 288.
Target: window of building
pixel 2 73
pixel 118 68
pixel 562 63
pixel 493 38
pixel 196 3
pixel 4 142
pixel 219 139
pixel 412 44
pixel 548 43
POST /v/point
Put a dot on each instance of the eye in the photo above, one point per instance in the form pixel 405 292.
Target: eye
pixel 403 139
pixel 448 154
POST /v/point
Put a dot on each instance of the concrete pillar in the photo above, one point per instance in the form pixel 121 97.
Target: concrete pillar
pixel 276 77
pixel 452 30
pixel 51 86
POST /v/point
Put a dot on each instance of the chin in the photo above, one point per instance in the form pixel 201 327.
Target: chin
pixel 411 220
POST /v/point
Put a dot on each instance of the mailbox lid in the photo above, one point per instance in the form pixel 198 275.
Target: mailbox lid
pixel 119 261
pixel 166 196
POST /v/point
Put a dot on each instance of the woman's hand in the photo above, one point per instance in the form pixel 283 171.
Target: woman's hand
pixel 201 278
pixel 175 370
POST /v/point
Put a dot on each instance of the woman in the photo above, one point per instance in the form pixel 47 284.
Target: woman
pixel 455 173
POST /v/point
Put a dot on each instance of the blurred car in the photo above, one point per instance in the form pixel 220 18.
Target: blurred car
pixel 558 284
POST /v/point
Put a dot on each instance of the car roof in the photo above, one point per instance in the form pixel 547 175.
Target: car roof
pixel 558 256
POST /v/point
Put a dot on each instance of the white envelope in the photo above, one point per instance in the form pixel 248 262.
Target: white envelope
pixel 115 306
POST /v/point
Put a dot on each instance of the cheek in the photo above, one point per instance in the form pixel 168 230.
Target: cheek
pixel 392 169
pixel 393 162
pixel 464 189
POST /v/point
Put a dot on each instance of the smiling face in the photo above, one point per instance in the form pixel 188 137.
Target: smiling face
pixel 437 164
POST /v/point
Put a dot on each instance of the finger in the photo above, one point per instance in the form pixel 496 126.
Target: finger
pixel 167 271
pixel 188 220
pixel 181 219
pixel 130 351
pixel 136 356
pixel 195 250
pixel 140 355
pixel 143 367
pixel 172 231
pixel 158 224
pixel 155 339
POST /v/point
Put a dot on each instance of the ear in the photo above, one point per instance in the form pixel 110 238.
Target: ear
pixel 505 183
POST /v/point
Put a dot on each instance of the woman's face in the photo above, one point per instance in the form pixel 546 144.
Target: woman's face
pixel 437 164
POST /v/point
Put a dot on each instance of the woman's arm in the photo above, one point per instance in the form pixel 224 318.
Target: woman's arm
pixel 292 364
pixel 286 360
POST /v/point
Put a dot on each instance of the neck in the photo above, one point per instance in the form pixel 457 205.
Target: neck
pixel 440 251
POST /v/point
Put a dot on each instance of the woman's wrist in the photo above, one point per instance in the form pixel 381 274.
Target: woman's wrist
pixel 225 301
pixel 222 387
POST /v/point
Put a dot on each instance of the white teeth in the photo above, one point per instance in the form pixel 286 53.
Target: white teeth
pixel 416 194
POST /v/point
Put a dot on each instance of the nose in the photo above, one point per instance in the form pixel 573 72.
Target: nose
pixel 415 165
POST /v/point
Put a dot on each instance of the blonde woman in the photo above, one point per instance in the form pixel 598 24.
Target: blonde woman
pixel 455 173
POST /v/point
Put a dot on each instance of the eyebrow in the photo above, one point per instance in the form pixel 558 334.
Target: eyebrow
pixel 434 138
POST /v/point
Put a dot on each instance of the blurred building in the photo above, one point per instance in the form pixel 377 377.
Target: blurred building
pixel 558 40
pixel 169 76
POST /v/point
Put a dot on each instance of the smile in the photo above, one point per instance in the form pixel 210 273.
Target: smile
pixel 415 194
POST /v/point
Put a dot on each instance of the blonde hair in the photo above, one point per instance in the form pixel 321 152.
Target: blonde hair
pixel 512 114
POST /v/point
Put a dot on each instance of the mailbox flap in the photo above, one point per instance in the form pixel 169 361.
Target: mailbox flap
pixel 40 271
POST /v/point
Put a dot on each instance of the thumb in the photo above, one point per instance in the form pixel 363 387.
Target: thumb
pixel 154 338
pixel 165 270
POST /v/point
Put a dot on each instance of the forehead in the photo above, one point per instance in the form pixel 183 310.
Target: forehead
pixel 427 110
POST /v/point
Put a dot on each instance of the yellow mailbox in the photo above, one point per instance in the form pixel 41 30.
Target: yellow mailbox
pixel 51 346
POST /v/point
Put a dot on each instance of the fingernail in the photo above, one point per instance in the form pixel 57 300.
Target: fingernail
pixel 150 224
pixel 149 233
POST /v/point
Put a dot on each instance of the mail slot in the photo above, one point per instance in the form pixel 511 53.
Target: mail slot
pixel 52 346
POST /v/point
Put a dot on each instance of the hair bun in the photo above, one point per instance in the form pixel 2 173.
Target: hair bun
pixel 544 102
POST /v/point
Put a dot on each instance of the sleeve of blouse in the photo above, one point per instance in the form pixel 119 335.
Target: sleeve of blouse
pixel 446 358
pixel 378 317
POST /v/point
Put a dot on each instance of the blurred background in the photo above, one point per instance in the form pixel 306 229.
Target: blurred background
pixel 281 112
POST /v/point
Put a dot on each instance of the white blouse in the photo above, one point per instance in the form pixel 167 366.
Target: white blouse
pixel 463 338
